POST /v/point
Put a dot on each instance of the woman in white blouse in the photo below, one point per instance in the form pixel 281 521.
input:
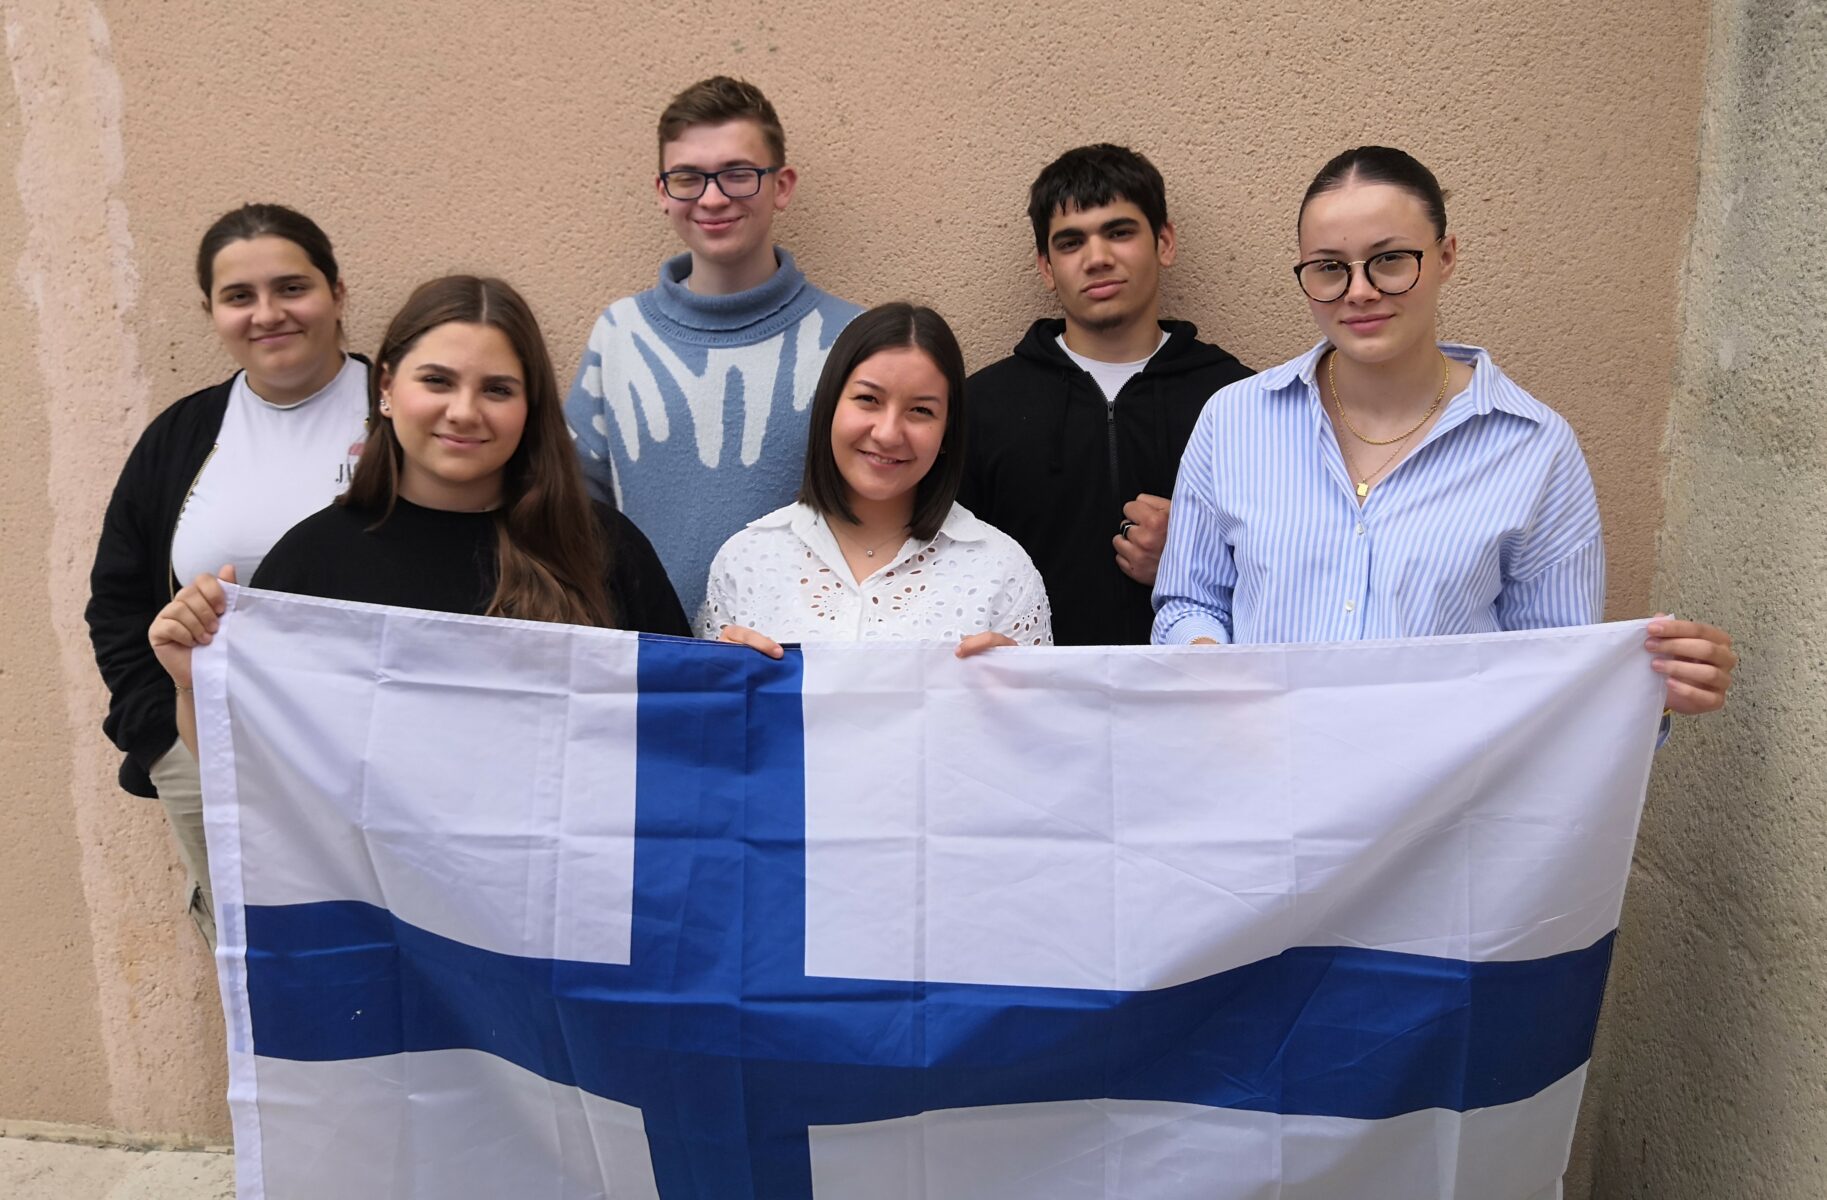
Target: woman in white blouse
pixel 876 545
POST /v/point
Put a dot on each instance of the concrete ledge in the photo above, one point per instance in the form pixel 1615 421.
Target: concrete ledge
pixel 91 1135
pixel 49 1170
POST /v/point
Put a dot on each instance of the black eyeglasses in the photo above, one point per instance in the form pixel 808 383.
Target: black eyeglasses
pixel 736 183
pixel 1391 273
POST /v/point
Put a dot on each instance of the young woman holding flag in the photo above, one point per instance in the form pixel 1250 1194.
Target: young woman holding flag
pixel 468 497
pixel 1386 484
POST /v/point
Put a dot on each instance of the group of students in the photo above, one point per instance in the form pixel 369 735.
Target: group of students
pixel 1114 481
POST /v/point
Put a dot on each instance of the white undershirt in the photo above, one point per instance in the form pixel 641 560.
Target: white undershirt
pixel 272 467
pixel 1110 376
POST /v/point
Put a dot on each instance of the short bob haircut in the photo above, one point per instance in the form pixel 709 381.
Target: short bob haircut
pixel 1090 177
pixel 894 326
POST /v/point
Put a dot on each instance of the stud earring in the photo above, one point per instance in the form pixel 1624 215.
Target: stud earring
pixel 386 408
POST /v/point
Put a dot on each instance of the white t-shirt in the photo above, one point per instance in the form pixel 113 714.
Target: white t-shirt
pixel 785 576
pixel 272 467
pixel 1110 376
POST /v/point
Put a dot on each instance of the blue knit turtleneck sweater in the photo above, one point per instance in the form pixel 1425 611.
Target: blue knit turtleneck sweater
pixel 690 411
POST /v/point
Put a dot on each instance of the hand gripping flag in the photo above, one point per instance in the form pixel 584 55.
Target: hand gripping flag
pixel 517 910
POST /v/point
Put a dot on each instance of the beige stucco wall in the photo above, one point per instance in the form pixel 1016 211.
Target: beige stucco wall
pixel 517 139
pixel 1714 1079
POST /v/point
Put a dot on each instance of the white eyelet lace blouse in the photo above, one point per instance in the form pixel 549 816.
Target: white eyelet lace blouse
pixel 785 576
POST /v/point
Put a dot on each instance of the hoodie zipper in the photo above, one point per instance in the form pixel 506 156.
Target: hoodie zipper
pixel 1116 494
pixel 171 566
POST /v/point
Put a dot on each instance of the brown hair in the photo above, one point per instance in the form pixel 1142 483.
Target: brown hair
pixel 888 327
pixel 550 560
pixel 263 220
pixel 715 101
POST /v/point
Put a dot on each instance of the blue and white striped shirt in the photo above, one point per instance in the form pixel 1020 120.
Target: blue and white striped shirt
pixel 1491 523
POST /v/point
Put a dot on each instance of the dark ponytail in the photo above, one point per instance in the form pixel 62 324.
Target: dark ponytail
pixel 264 220
pixel 1381 164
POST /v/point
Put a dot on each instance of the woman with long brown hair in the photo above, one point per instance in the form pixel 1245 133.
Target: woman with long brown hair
pixel 468 497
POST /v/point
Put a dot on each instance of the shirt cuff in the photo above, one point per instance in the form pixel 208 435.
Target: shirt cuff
pixel 1192 626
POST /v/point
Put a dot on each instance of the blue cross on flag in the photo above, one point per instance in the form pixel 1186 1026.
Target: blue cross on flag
pixel 515 909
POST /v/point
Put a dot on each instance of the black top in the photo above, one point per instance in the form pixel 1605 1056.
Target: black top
pixel 1050 463
pixel 445 561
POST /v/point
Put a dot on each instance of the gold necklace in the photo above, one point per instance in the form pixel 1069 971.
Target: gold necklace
pixel 869 552
pixel 1337 402
pixel 1364 483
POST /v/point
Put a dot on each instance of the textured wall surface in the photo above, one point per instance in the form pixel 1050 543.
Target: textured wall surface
pixel 109 1005
pixel 1714 1077
pixel 518 140
pixel 51 1060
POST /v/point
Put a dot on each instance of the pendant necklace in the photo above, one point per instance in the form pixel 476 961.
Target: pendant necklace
pixel 1332 384
pixel 1364 483
pixel 869 551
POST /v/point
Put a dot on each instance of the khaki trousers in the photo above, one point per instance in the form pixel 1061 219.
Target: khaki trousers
pixel 181 791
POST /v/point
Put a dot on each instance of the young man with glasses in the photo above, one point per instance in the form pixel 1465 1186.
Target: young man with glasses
pixel 1075 439
pixel 689 408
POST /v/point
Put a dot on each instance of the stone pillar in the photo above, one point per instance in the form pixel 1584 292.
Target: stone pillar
pixel 1713 1067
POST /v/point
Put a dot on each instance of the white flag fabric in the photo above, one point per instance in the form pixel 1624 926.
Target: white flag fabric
pixel 510 909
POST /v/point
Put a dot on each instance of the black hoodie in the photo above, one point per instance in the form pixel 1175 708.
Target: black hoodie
pixel 1042 446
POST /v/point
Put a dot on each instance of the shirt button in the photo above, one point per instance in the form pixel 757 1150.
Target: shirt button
pixel 1351 606
pixel 1360 529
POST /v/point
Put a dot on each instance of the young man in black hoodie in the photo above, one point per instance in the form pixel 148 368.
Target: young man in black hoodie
pixel 1074 440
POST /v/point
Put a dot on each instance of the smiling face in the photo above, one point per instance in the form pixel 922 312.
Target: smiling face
pixel 1358 221
pixel 277 316
pixel 719 231
pixel 1105 265
pixel 458 403
pixel 888 427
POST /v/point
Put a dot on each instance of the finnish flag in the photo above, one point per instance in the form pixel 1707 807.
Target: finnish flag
pixel 522 910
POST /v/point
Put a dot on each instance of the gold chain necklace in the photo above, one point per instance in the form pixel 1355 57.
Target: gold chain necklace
pixel 1363 486
pixel 1332 383
pixel 1364 483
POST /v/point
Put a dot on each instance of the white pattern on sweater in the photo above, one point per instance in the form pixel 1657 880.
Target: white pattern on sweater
pixel 689 411
pixel 630 390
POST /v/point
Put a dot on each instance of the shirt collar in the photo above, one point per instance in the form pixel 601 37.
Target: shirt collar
pixel 959 526
pixel 1491 389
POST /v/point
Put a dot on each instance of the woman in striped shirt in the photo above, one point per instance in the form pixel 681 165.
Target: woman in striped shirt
pixel 1385 484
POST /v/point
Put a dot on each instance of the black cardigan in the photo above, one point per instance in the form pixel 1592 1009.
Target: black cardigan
pixel 132 580
pixel 132 577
